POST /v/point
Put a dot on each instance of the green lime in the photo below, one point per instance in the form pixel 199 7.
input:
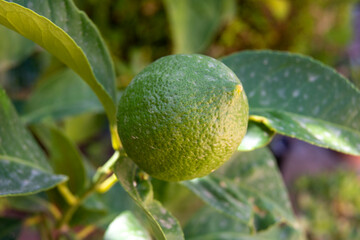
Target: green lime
pixel 182 117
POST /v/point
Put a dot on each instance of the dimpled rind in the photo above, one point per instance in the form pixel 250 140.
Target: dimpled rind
pixel 182 117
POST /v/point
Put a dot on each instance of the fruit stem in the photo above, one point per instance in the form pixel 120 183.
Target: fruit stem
pixel 99 178
pixel 115 139
pixel 106 168
pixel 107 184
pixel 259 119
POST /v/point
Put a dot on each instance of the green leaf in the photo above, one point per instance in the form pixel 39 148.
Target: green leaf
pixel 67 33
pixel 248 189
pixel 257 136
pixel 256 173
pixel 64 155
pixel 300 97
pixel 194 23
pixel 278 232
pixel 209 224
pixel 221 194
pixel 126 226
pixel 61 95
pixel 13 48
pixel 81 128
pixel 208 221
pixel 162 223
pixel 23 166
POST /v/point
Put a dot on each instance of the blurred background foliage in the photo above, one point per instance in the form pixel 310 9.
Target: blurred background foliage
pixel 329 205
pixel 139 32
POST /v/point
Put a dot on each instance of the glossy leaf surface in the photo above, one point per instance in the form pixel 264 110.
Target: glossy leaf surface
pixel 64 31
pixel 299 97
pixel 126 226
pixel 257 136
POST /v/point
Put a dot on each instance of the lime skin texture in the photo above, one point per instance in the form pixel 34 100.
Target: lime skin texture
pixel 182 117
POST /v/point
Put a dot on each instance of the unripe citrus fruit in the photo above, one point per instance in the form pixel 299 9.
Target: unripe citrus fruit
pixel 182 117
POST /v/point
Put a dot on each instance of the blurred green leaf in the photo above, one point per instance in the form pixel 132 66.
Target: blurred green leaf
pixel 13 48
pixel 208 221
pixel 256 173
pixel 65 157
pixel 223 195
pixel 81 128
pixel 62 94
pixel 67 33
pixel 163 225
pixel 23 165
pixel 30 203
pixel 209 224
pixel 300 97
pixel 176 198
pixel 278 232
pixel 248 189
pixel 126 226
pixel 257 136
pixel 194 23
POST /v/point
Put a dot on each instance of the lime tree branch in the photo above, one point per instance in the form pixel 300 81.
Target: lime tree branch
pixel 99 178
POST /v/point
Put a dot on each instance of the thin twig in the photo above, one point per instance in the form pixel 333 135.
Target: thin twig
pixel 100 175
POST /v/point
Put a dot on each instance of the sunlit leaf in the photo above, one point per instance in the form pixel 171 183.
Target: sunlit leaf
pixel 300 97
pixel 257 136
pixel 67 33
pixel 126 226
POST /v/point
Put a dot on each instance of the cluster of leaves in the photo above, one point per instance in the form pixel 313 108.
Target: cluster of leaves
pixel 58 192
